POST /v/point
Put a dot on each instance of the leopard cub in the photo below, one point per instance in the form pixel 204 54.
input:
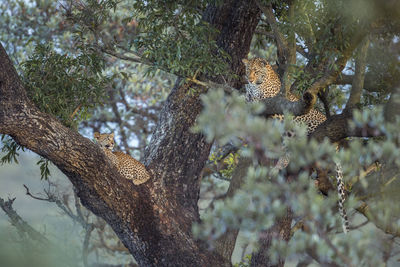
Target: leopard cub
pixel 127 166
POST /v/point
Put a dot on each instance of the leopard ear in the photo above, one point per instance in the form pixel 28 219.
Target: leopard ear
pixel 264 63
pixel 245 61
pixel 96 135
pixel 112 135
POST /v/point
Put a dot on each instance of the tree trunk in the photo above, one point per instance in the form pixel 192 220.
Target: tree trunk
pixel 225 244
pixel 280 231
pixel 153 220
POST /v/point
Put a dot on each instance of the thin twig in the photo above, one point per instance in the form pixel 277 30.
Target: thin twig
pixel 75 111
pixel 22 226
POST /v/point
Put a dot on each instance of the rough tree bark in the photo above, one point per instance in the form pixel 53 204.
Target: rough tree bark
pixel 153 220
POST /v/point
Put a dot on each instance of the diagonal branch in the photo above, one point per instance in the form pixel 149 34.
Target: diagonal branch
pixel 337 127
pixel 330 71
pixel 291 56
pixel 364 209
pixel 310 36
pixel 281 41
pixel 300 49
pixel 330 76
pixel 371 84
pixel 22 226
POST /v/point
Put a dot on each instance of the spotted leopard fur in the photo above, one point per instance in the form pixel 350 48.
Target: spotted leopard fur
pixel 264 82
pixel 342 197
pixel 127 166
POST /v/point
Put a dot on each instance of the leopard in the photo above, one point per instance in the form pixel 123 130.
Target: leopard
pixel 264 82
pixel 126 165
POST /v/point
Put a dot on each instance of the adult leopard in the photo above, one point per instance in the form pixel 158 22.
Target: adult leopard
pixel 264 82
pixel 127 166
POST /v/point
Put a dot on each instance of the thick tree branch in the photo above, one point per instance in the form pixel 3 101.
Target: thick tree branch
pixel 337 127
pixel 225 244
pixel 269 14
pixel 392 108
pixel 290 54
pixel 279 105
pixel 371 84
pixel 172 143
pixel 280 230
pixel 281 42
pixel 323 96
pixel 359 75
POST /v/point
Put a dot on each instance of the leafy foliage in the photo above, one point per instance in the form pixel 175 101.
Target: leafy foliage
pixel 245 262
pixel 64 86
pixel 230 161
pixel 173 36
pixel 267 194
pixel 44 168
pixel 10 148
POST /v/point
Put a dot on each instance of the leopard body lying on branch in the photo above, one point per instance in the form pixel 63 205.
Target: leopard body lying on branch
pixel 264 82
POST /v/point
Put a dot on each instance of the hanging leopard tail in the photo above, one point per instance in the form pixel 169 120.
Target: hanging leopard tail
pixel 342 197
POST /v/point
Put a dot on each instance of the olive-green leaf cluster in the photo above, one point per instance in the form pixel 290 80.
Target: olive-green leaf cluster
pixel 174 37
pixel 10 148
pixel 64 86
pixel 44 168
pixel 230 161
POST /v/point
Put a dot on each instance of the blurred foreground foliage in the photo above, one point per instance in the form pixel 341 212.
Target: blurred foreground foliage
pixel 267 194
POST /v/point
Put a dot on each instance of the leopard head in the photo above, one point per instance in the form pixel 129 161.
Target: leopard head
pixel 263 82
pixel 105 141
